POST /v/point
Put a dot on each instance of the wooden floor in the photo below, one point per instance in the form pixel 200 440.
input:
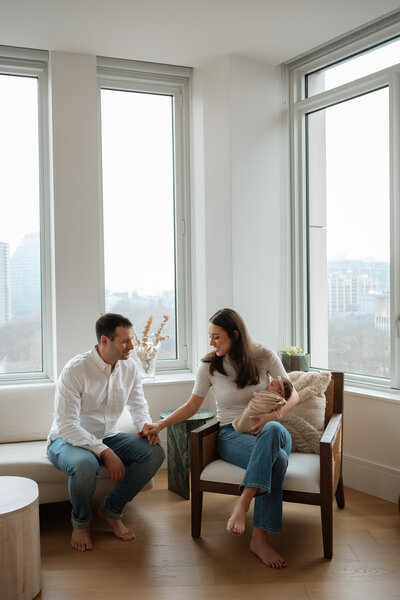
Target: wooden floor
pixel 165 563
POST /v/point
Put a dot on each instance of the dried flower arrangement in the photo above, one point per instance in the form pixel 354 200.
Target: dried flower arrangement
pixel 146 347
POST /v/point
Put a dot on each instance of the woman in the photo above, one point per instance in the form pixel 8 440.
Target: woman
pixel 234 370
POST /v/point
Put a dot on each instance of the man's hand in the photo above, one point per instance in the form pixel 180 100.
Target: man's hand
pixel 114 465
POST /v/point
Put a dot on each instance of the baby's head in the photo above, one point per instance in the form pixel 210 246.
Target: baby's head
pixel 281 385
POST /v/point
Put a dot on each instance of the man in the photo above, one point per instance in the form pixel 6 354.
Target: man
pixel 91 393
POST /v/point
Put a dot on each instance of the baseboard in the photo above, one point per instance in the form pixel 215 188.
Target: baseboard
pixel 372 478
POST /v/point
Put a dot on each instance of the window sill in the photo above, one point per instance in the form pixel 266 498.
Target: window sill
pixel 168 378
pixel 375 393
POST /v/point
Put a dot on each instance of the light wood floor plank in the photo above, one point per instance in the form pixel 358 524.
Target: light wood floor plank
pixel 165 562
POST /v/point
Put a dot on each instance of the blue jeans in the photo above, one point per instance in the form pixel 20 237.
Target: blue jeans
pixel 265 458
pixel 141 461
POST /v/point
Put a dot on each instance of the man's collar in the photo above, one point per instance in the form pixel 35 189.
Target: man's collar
pixel 105 367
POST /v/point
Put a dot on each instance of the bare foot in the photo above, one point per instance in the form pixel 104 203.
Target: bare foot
pixel 81 540
pixel 120 530
pixel 237 521
pixel 261 548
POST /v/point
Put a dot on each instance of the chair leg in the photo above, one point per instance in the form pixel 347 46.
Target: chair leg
pixel 197 507
pixel 340 493
pixel 327 527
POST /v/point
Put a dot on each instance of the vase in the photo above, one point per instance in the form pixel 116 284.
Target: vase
pixel 295 362
pixel 146 359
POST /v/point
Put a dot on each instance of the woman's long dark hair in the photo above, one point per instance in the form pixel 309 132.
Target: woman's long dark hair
pixel 241 352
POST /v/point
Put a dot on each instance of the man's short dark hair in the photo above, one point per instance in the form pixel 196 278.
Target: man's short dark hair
pixel 107 324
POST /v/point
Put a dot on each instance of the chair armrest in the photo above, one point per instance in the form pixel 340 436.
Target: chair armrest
pixel 206 429
pixel 331 445
pixel 203 442
pixel 332 429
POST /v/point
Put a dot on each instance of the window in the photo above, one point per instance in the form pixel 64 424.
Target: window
pixel 346 137
pixel 145 202
pixel 24 297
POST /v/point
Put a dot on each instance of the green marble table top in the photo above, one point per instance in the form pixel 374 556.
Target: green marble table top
pixel 203 413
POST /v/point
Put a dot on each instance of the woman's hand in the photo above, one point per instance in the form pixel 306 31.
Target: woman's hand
pixel 150 431
pixel 261 420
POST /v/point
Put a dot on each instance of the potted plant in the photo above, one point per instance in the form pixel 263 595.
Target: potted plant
pixel 294 359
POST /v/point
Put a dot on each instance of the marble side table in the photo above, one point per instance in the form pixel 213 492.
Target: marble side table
pixel 178 447
pixel 20 539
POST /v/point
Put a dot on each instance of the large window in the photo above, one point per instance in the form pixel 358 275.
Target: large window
pixel 145 200
pixel 24 307
pixel 346 133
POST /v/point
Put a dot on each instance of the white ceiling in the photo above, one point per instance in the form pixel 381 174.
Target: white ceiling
pixel 184 32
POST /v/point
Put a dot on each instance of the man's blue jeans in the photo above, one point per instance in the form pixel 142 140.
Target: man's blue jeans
pixel 265 458
pixel 141 460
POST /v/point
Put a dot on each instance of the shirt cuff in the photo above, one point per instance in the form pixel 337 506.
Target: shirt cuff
pixel 97 449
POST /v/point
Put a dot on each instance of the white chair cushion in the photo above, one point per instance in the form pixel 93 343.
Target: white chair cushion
pixel 302 474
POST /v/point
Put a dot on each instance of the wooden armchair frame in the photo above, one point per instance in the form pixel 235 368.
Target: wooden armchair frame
pixel 204 451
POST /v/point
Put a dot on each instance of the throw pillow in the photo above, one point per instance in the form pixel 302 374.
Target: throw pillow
pixel 306 421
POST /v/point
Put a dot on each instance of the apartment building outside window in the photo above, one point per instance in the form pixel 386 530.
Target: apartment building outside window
pixel 24 293
pixel 345 106
pixel 144 140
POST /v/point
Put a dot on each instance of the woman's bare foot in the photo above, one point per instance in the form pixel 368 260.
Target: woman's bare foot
pixel 237 521
pixel 120 530
pixel 261 548
pixel 81 540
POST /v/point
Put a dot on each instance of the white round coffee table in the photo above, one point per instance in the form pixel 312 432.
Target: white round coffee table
pixel 19 539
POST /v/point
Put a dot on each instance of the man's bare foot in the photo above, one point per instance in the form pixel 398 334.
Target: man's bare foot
pixel 120 530
pixel 265 552
pixel 237 521
pixel 81 540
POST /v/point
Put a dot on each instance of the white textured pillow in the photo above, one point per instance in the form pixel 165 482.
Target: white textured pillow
pixel 306 422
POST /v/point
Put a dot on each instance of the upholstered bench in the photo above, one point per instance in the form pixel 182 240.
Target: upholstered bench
pixel 27 414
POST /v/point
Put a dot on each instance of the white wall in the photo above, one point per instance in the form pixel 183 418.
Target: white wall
pixel 260 233
pixel 77 234
pixel 372 444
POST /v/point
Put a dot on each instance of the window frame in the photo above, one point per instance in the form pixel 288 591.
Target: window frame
pixel 137 76
pixel 300 106
pixel 34 63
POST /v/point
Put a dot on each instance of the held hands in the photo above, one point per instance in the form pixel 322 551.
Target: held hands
pixel 151 431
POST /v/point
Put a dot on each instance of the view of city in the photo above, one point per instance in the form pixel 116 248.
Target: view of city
pixel 358 310
pixel 20 309
pixel 139 308
pixel 359 316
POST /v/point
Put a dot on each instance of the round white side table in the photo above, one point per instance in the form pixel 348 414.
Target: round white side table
pixel 19 539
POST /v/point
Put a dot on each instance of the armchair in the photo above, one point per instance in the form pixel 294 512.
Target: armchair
pixel 310 478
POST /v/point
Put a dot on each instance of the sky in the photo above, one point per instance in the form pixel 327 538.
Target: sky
pixel 19 159
pixel 138 169
pixel 357 160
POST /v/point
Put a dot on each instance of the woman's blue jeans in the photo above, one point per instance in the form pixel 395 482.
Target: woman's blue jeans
pixel 141 461
pixel 265 458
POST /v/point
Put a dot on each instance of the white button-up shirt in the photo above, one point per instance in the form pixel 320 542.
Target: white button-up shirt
pixel 90 399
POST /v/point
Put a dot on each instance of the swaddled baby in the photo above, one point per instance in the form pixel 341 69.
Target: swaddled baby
pixel 277 392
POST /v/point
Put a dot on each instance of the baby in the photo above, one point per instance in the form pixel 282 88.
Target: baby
pixel 277 392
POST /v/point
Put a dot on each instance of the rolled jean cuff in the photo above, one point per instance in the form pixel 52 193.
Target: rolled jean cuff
pixel 80 524
pixel 262 489
pixel 108 512
pixel 266 528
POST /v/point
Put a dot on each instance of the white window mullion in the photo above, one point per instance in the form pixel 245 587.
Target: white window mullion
pixel 394 119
